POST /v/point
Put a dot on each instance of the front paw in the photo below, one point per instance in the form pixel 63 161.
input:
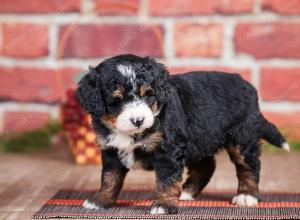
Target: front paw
pixel 162 209
pixel 245 200
pixel 90 204
pixel 96 204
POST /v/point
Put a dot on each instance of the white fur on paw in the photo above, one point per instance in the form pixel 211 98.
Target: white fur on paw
pixel 245 200
pixel 157 211
pixel 89 205
pixel 186 196
pixel 285 146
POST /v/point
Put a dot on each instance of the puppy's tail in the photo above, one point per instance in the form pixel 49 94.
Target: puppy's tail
pixel 271 134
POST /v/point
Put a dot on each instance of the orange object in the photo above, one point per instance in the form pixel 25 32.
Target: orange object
pixel 78 130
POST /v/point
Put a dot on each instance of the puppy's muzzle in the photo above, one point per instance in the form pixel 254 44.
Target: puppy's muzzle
pixel 137 121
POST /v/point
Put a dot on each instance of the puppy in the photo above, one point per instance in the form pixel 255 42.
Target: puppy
pixel 142 114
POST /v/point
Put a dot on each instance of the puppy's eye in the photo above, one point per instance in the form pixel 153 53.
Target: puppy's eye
pixel 117 99
pixel 149 92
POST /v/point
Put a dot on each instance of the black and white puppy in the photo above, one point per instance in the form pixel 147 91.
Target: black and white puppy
pixel 142 114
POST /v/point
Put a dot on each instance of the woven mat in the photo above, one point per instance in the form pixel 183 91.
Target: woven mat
pixel 136 204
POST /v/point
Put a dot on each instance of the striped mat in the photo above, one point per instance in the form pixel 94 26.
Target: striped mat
pixel 135 204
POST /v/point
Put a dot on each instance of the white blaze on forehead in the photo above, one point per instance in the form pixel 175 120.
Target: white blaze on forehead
pixel 128 72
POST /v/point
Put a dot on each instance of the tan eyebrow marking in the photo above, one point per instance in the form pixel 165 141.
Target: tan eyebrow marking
pixel 118 93
pixel 154 107
pixel 144 88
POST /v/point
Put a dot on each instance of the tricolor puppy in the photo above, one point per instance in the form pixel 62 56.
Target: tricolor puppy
pixel 142 114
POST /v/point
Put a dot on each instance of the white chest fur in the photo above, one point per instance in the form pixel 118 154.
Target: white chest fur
pixel 125 145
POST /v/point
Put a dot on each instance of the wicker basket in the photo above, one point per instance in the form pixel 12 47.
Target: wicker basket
pixel 77 128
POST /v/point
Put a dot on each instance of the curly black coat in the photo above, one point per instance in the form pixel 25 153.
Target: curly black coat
pixel 199 113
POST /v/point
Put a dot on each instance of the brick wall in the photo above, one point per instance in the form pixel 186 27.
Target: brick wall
pixel 43 44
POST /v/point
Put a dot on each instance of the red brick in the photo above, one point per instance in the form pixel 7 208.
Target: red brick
pixel 24 40
pixel 16 121
pixel 279 84
pixel 89 41
pixel 117 7
pixel 268 40
pixel 244 72
pixel 288 122
pixel 198 40
pixel 34 84
pixel 39 6
pixel 285 7
pixel 198 7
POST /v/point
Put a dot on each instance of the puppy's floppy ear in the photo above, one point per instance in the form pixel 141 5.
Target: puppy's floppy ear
pixel 89 94
pixel 161 79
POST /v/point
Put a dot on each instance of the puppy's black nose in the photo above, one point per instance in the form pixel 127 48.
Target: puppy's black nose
pixel 137 122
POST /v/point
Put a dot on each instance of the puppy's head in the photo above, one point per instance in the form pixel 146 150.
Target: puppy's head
pixel 125 92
